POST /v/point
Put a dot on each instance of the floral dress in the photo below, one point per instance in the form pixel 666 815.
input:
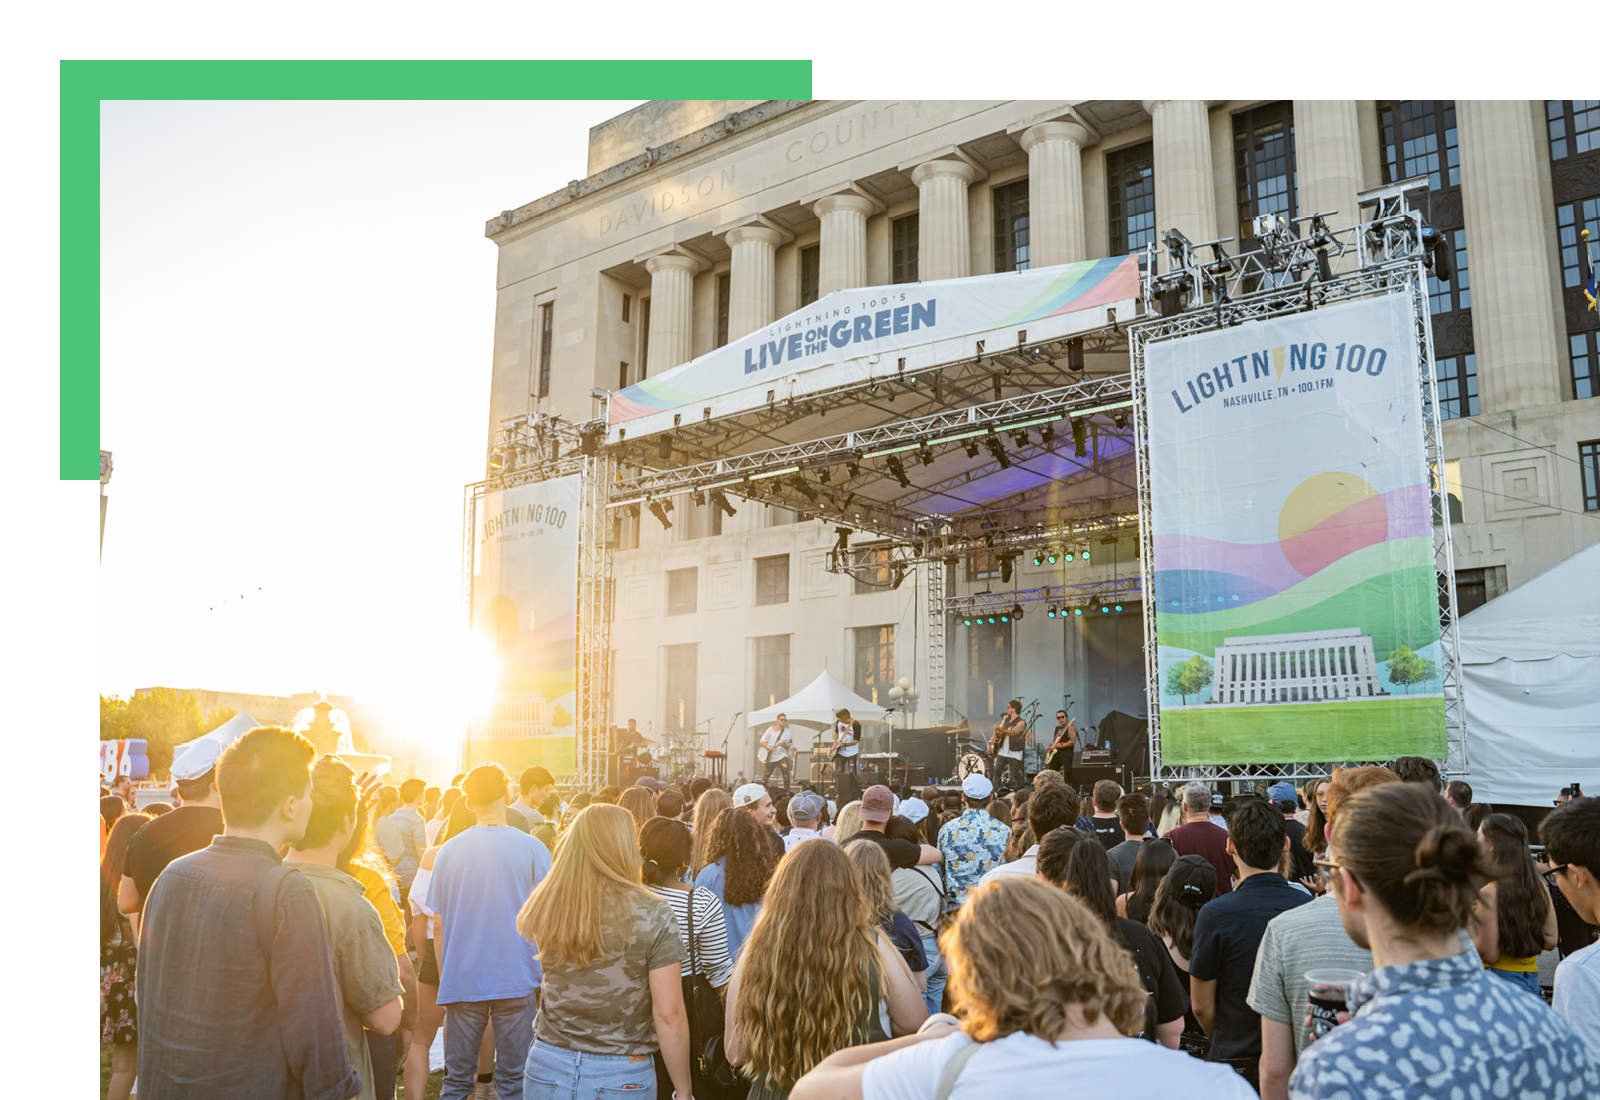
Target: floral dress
pixel 117 1019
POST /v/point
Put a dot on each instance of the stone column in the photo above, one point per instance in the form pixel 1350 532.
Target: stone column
pixel 1186 199
pixel 671 309
pixel 1327 150
pixel 1055 192
pixel 750 289
pixel 1515 330
pixel 944 248
pixel 843 262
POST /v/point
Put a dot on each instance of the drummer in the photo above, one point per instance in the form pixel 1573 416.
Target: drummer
pixel 974 843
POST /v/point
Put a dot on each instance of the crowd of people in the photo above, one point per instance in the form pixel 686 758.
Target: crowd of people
pixel 292 929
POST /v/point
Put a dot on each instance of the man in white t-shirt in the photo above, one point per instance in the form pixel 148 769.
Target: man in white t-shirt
pixel 847 763
pixel 779 743
pixel 1571 834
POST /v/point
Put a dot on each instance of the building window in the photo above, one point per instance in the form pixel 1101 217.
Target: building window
pixel 1572 218
pixel 1419 139
pixel 625 532
pixel 622 377
pixel 1458 386
pixel 1263 163
pixel 1574 126
pixel 682 588
pixel 872 575
pixel 772 580
pixel 874 662
pixel 547 332
pixel 983 566
pixel 1472 590
pixel 627 307
pixel 1589 459
pixel 1131 197
pixel 644 338
pixel 772 670
pixel 680 684
pixel 904 259
pixel 724 298
pixel 1585 365
pixel 1457 293
pixel 810 271
pixel 1011 227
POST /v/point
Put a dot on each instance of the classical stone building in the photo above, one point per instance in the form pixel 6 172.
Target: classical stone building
pixel 698 223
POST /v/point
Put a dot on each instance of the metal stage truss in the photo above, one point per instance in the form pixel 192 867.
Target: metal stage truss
pixel 1002 451
pixel 1393 255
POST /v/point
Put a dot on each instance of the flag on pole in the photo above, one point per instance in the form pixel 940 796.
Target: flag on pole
pixel 1587 269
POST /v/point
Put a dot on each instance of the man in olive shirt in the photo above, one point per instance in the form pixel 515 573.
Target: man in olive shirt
pixel 186 829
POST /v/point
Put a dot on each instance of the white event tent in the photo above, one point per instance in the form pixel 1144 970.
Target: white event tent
pixel 816 704
pixel 1531 684
pixel 224 735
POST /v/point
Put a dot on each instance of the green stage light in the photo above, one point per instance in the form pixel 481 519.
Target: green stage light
pixel 1077 611
pixel 1038 559
pixel 1085 553
pixel 1069 555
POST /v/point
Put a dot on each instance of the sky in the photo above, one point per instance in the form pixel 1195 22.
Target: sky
pixel 298 310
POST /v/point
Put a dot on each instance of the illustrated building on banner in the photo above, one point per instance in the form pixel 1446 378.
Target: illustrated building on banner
pixel 1310 666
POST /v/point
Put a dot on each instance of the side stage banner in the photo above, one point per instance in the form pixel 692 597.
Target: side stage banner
pixel 1296 614
pixel 524 601
pixel 856 332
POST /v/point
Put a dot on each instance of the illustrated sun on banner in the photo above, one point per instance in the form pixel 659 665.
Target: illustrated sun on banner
pixel 1296 611
pixel 524 602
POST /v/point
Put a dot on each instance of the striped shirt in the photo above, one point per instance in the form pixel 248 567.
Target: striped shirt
pixel 710 932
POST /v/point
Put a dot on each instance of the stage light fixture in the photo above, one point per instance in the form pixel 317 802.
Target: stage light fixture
pixel 971 448
pixel 1047 434
pixel 1075 353
pixel 1038 558
pixel 1052 612
pixel 589 440
pixel 1077 611
pixel 660 513
pixel 1016 611
pixel 664 448
pixel 1021 438
pixel 998 450
pixel 853 470
pixel 991 619
pixel 1078 447
pixel 699 498
pixel 925 454
pixel 1084 553
pixel 1003 618
pixel 899 577
pixel 898 470
pixel 631 511
pixel 666 502
pixel 1094 603
pixel 1005 570
pixel 824 475
pixel 1069 555
pixel 1120 419
pixel 720 499
pixel 1053 557
pixel 1119 609
pixel 844 539
pixel 805 490
pixel 966 622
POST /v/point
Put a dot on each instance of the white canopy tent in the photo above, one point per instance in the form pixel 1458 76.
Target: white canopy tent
pixel 1531 678
pixel 815 705
pixel 224 735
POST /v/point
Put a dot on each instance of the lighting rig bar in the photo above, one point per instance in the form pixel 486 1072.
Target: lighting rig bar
pixel 991 606
pixel 940 543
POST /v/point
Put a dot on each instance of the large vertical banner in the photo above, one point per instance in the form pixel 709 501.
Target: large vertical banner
pixel 525 601
pixel 1296 611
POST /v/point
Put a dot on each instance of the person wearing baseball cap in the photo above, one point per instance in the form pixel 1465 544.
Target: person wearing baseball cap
pixel 650 783
pixel 974 843
pixel 1288 801
pixel 805 814
pixel 877 807
pixel 186 829
pixel 753 797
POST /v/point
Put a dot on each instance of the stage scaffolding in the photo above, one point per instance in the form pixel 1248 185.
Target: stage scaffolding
pixel 965 426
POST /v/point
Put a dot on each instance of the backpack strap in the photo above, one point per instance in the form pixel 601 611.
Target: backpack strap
pixel 267 913
pixel 952 1070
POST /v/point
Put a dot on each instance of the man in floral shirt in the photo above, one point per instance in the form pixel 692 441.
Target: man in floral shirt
pixel 973 843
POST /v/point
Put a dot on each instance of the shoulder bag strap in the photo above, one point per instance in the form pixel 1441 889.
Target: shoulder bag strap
pixel 267 914
pixel 952 1070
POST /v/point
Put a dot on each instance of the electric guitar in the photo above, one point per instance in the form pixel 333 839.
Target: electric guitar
pixel 1002 731
pixel 845 733
pixel 1061 751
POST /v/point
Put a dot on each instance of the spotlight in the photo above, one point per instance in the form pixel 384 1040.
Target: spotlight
pixel 1078 447
pixel 1047 434
pixel 699 498
pixel 1069 555
pixel 824 475
pixel 1436 253
pixel 844 539
pixel 1075 353
pixel 925 454
pixel 998 450
pixel 1053 557
pixel 631 511
pixel 898 469
pixel 1021 438
pixel 1118 609
pixel 966 622
pixel 1084 553
pixel 666 502
pixel 660 513
pixel 1077 611
pixel 664 449
pixel 805 490
pixel 1003 617
pixel 1038 558
pixel 720 499
pixel 1094 604
pixel 1104 610
pixel 1016 611
pixel 853 470
pixel 971 448
pixel 1120 419
pixel 1052 612
pixel 589 440
pixel 1005 570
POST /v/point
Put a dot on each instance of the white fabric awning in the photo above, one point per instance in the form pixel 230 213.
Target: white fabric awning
pixel 224 735
pixel 816 704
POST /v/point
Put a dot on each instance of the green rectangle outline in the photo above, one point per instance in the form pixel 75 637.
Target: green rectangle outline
pixel 86 84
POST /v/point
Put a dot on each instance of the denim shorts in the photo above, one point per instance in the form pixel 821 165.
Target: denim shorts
pixel 555 1073
pixel 1523 979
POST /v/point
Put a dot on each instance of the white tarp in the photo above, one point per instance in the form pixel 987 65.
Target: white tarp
pixel 817 703
pixel 850 336
pixel 1531 681
pixel 224 735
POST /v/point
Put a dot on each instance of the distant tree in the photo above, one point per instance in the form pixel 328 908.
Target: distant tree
pixel 162 717
pixel 1407 667
pixel 559 716
pixel 1189 677
pixel 215 717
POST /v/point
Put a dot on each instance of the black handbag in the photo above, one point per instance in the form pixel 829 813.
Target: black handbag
pixel 714 1077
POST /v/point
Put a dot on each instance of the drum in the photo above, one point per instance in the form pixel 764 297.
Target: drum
pixel 971 763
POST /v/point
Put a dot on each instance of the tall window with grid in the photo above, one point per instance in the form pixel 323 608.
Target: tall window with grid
pixel 724 300
pixel 1589 459
pixel 1263 164
pixel 1011 227
pixel 873 574
pixel 547 332
pixel 810 273
pixel 904 234
pixel 874 662
pixel 1131 197
pixel 1572 218
pixel 1574 126
pixel 1458 386
pixel 772 670
pixel 772 580
pixel 1418 137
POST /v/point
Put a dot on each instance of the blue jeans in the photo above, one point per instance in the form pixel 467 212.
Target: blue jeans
pixel 556 1073
pixel 1522 979
pixel 464 1023
pixel 938 974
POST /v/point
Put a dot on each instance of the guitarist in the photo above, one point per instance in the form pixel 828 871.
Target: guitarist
pixel 776 744
pixel 1066 739
pixel 846 756
pixel 1010 737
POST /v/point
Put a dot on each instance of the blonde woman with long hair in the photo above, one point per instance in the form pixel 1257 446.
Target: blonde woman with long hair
pixel 877 887
pixel 640 803
pixel 706 809
pixel 815 975
pixel 1036 1021
pixel 848 824
pixel 612 958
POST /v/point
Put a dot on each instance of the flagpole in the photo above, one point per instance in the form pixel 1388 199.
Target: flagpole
pixel 1586 270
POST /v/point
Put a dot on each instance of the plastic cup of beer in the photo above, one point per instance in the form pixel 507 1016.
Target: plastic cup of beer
pixel 1326 998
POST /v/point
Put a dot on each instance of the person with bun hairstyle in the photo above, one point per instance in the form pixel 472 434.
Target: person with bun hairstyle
pixel 1427 1021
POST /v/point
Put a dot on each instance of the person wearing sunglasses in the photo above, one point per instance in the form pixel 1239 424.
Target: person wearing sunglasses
pixel 1571 835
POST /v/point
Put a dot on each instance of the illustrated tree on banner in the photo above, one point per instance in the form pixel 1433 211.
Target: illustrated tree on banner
pixel 1407 667
pixel 1189 677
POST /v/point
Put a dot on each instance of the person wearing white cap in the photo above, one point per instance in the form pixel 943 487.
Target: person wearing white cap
pixel 754 798
pixel 186 829
pixel 974 843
